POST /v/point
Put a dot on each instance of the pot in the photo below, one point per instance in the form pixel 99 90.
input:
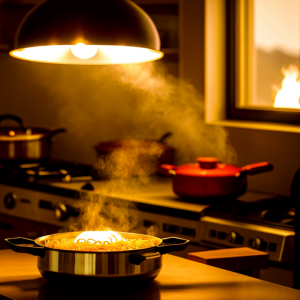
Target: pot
pixel 149 154
pixel 210 179
pixel 22 145
pixel 107 267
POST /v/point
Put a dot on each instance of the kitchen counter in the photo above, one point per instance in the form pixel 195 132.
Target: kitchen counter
pixel 179 279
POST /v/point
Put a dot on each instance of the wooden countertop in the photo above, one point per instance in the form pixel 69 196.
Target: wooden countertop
pixel 179 279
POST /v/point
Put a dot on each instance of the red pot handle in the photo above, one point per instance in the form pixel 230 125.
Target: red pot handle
pixel 257 168
pixel 167 169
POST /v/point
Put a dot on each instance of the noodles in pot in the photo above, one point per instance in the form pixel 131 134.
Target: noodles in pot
pixel 91 245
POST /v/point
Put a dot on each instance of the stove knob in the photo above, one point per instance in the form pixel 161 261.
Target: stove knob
pixel 259 244
pixel 234 238
pixel 61 212
pixel 10 200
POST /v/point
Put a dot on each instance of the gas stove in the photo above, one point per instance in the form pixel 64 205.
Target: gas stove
pixel 46 194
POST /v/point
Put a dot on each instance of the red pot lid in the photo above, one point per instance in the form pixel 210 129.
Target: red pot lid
pixel 208 167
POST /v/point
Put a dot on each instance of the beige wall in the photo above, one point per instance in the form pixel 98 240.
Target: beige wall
pixel 21 93
pixel 279 148
pixel 32 91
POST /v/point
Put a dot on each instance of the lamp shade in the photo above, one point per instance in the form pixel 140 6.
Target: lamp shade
pixel 87 32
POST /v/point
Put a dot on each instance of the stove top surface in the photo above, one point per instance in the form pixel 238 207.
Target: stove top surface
pixel 71 179
pixel 54 170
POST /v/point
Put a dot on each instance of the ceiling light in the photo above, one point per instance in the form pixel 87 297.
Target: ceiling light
pixel 89 32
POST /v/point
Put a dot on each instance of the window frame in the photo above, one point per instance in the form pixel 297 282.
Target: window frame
pixel 235 69
pixel 219 80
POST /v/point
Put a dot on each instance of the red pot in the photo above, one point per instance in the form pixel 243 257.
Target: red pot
pixel 210 179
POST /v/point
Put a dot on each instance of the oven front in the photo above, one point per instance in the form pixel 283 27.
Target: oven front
pixel 33 213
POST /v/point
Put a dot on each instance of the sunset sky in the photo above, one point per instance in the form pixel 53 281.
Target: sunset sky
pixel 276 25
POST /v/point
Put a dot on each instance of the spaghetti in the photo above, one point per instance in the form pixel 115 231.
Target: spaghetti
pixel 91 245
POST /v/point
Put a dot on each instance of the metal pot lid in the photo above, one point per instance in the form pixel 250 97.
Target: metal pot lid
pixel 208 167
pixel 12 134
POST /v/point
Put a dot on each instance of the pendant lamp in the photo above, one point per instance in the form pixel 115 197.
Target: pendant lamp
pixel 88 32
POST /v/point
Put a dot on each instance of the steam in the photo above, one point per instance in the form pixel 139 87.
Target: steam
pixel 102 212
pixel 177 106
pixel 141 101
pixel 126 168
pixel 132 159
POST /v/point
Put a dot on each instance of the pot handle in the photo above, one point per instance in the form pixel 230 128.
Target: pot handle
pixel 164 137
pixel 15 118
pixel 167 169
pixel 23 245
pixel 257 168
pixel 138 258
pixel 56 131
pixel 172 244
pixel 168 245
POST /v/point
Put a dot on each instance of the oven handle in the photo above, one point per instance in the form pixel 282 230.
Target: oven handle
pixel 168 245
pixel 23 245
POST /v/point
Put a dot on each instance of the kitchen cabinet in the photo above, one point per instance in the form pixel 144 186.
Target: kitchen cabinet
pixel 188 58
pixel 180 24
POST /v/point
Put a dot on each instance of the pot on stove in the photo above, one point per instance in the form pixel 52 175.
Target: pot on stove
pixel 22 144
pixel 211 179
pixel 122 267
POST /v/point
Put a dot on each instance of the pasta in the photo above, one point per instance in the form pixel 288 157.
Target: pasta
pixel 92 245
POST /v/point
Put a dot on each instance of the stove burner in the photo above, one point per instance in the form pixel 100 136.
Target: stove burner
pixel 266 208
pixel 53 171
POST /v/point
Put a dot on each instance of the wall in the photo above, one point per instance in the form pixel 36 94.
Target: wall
pixel 33 91
pixel 252 141
pixel 279 148
pixel 99 103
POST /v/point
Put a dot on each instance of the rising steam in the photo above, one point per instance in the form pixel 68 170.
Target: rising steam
pixel 102 212
pixel 139 101
pixel 124 169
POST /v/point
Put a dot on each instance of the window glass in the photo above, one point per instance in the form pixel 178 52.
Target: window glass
pixel 274 47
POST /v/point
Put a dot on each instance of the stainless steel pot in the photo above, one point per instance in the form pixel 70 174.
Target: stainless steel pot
pixel 122 267
pixel 22 144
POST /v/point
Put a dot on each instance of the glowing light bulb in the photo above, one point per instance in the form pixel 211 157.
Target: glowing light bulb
pixel 83 51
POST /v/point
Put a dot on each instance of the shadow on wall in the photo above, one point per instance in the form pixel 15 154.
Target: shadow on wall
pixel 98 103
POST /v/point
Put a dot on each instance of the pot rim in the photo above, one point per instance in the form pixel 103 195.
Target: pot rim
pixel 31 134
pixel 42 238
pixel 23 136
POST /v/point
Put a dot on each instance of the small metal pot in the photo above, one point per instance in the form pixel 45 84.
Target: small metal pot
pixel 22 145
pixel 122 267
pixel 210 179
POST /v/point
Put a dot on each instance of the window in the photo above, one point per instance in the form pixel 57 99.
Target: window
pixel 263 54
